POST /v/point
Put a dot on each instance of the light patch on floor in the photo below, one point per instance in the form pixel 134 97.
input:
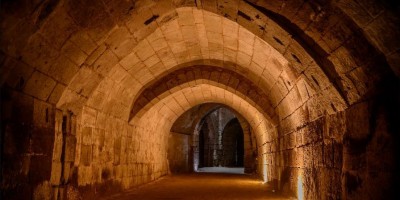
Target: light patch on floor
pixel 227 170
pixel 203 186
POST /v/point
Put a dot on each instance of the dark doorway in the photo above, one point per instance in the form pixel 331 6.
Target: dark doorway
pixel 233 144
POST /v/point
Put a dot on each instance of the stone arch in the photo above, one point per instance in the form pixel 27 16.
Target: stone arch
pixel 340 58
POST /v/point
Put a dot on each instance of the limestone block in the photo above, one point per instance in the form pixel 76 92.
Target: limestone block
pixel 74 53
pixel 56 94
pixel 362 80
pixel 82 40
pixel 87 135
pixel 382 31
pixel 299 58
pixel 57 148
pixel 245 47
pixel 58 28
pixel 230 28
pixel 185 16
pixel 306 14
pixel 157 40
pixel 121 42
pixel 118 73
pixel 43 114
pixel 337 34
pixel 19 74
pixel 40 86
pixel 63 70
pixel 143 75
pixel 137 20
pixel 86 155
pixel 39 169
pixel 276 36
pixel 358 122
pixel 97 100
pixel 356 12
pixel 55 173
pixel 144 50
pixel 39 54
pixel 214 37
pixel 315 108
pixel 105 62
pixel 212 22
pixel 151 61
pixel 308 156
pixel 274 67
pixel 89 117
pixel 70 146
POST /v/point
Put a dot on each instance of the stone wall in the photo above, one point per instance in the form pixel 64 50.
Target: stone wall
pixel 27 138
pixel 179 150
pixel 337 55
pixel 338 156
pixel 113 155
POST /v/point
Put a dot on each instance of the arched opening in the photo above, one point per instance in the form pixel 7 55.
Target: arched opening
pixel 217 141
pixel 313 84
pixel 233 144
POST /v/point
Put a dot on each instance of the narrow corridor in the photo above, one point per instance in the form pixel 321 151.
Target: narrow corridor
pixel 202 186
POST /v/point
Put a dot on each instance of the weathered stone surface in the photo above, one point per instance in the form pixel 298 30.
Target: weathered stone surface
pixel 40 86
pixel 313 82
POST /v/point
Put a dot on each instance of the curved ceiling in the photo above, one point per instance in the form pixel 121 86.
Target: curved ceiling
pixel 226 79
pixel 166 111
pixel 183 36
pixel 300 50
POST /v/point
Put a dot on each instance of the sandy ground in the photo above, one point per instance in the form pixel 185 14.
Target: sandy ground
pixel 202 186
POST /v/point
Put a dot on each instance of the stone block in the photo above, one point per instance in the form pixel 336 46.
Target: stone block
pixel 41 141
pixel 40 86
pixel 56 93
pixel 89 117
pixel 105 62
pixel 70 146
pixel 358 122
pixel 120 11
pixel 338 155
pixel 58 28
pixel 58 147
pixel 43 114
pixel 98 24
pixel 39 53
pixel 74 53
pixel 337 34
pixel 82 40
pixel 56 168
pixel 117 151
pixel 355 11
pixel 63 70
pixel 382 32
pixel 19 74
pixel 87 135
pixel 39 169
pixel 86 155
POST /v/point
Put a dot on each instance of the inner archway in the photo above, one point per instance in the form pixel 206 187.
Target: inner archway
pixel 218 136
pixel 233 144
pixel 90 92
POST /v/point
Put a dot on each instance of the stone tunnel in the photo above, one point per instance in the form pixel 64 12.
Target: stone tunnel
pixel 101 97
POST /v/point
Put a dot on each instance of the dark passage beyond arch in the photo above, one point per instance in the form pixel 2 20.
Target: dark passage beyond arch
pixel 233 144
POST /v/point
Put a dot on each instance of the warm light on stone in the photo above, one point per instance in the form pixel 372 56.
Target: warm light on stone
pixel 101 97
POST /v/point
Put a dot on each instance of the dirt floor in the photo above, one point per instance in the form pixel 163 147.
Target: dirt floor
pixel 202 186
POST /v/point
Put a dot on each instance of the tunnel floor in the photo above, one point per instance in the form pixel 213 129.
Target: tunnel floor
pixel 227 170
pixel 202 186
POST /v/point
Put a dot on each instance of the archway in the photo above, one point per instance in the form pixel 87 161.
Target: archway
pixel 317 83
